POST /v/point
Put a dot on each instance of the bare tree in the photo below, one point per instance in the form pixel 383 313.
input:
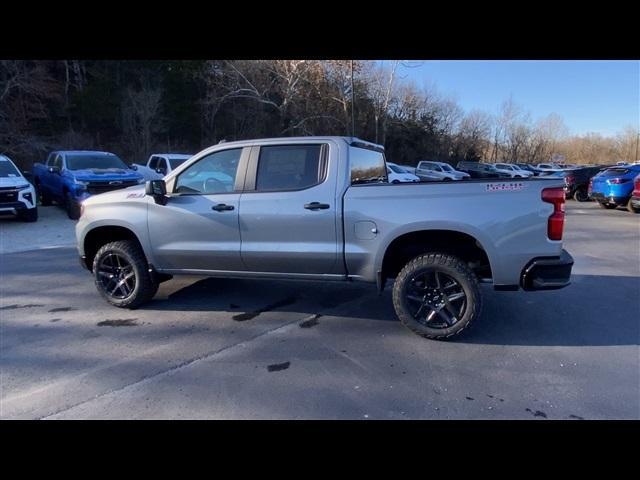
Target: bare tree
pixel 141 119
pixel 380 90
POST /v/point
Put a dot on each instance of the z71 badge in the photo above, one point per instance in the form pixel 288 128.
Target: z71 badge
pixel 506 186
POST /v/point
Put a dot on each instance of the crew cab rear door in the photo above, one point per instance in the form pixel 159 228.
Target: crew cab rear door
pixel 197 229
pixel 288 210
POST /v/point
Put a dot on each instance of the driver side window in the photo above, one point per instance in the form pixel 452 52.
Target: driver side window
pixel 215 173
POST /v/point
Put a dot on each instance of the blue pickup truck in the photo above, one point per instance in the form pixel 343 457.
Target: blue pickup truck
pixel 69 177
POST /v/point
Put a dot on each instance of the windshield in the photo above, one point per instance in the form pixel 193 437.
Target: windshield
pixel 8 170
pixel 447 168
pixel 175 162
pixel 82 162
pixel 395 168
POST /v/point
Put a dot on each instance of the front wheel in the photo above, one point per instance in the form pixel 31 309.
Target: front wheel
pixel 437 296
pixel 122 274
pixel 45 200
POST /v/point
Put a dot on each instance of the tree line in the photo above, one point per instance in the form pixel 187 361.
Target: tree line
pixel 134 108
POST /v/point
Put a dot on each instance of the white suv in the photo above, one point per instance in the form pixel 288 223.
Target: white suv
pixel 442 170
pixel 17 195
pixel 514 170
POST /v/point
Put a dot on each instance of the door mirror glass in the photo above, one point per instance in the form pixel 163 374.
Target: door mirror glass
pixel 157 189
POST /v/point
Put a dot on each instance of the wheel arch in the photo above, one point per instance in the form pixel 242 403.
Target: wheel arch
pixel 469 246
pixel 95 238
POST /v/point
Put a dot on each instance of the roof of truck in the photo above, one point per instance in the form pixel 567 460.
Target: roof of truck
pixel 172 155
pixel 349 140
pixel 80 152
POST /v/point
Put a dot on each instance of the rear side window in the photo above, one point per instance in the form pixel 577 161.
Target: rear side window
pixel 367 166
pixel 290 167
pixel 615 171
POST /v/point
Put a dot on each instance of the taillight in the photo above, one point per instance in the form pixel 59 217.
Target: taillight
pixel 569 179
pixel 555 223
pixel 618 181
pixel 590 189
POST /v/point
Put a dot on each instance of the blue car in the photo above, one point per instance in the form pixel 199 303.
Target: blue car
pixel 69 177
pixel 612 187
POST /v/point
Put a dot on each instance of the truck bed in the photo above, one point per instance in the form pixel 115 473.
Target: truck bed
pixel 506 216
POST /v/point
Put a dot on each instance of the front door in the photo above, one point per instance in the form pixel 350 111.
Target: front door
pixel 198 227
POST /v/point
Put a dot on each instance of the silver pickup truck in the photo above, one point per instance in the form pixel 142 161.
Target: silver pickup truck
pixel 320 208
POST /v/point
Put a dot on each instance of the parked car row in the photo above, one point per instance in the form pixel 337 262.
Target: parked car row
pixel 69 177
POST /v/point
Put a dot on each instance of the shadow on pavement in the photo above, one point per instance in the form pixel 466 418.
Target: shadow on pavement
pixel 595 310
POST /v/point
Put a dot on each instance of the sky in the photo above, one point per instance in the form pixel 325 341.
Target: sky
pixel 590 96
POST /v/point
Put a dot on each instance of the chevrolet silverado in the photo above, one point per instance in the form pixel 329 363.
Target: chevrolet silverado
pixel 321 208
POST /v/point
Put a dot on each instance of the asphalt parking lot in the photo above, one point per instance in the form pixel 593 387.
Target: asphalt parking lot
pixel 240 349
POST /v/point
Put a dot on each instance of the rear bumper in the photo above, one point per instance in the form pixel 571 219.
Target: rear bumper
pixel 547 273
pixel 602 198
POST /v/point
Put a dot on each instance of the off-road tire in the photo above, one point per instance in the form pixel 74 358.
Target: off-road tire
pixel 145 287
pixel 451 266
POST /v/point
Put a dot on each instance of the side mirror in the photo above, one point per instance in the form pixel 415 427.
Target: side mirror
pixel 133 166
pixel 54 169
pixel 161 171
pixel 158 190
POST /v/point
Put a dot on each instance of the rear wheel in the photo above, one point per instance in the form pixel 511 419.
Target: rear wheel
pixel 122 274
pixel 437 296
pixel 581 195
pixel 631 208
